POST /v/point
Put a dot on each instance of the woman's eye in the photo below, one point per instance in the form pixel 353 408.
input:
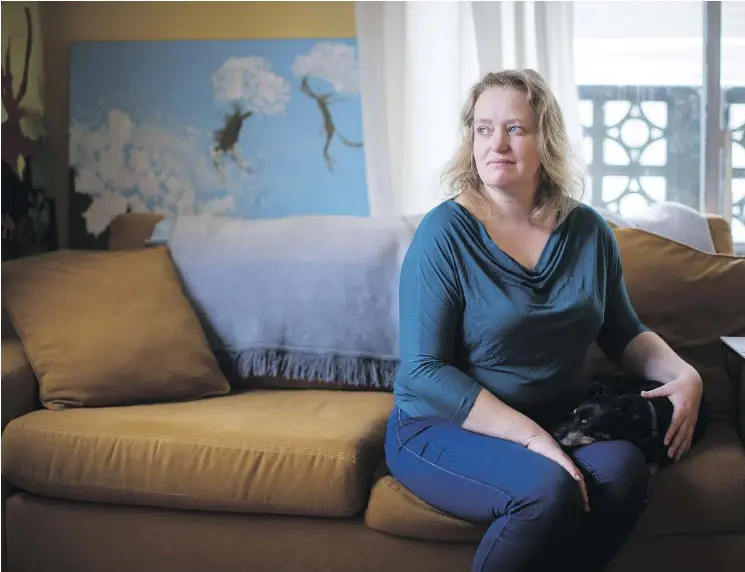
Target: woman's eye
pixel 515 129
pixel 482 130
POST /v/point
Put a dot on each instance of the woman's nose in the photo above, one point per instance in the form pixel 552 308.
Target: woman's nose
pixel 501 140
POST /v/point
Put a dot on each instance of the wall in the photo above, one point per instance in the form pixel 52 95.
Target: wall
pixel 67 22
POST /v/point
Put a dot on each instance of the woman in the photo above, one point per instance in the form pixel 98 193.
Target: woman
pixel 503 290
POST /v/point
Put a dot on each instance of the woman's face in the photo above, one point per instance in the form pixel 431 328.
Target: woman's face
pixel 505 141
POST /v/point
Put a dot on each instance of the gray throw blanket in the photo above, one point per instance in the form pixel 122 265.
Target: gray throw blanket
pixel 312 297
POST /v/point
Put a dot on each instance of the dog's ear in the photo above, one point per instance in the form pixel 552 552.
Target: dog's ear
pixel 626 408
pixel 597 388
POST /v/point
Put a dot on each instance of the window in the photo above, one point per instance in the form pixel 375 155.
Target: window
pixel 640 71
pixel 733 89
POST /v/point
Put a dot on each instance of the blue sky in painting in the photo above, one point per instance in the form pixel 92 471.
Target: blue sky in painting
pixel 168 86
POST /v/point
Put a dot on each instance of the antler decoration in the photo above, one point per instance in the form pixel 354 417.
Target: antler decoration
pixel 15 143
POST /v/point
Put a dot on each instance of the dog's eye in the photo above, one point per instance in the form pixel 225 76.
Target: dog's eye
pixel 584 422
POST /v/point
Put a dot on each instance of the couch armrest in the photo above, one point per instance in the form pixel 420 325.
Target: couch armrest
pixel 20 389
pixel 741 405
pixel 20 392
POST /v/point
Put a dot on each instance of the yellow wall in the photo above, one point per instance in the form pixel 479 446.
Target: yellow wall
pixel 66 22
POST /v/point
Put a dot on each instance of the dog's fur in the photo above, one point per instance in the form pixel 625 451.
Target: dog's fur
pixel 615 409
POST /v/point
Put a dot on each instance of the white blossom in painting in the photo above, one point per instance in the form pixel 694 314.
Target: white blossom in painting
pixel 145 168
pixel 105 207
pixel 251 80
pixel 332 61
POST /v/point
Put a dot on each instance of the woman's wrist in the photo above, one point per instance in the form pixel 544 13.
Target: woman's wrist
pixel 491 416
pixel 537 437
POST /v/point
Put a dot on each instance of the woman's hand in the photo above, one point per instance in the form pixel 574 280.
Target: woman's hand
pixel 685 394
pixel 548 447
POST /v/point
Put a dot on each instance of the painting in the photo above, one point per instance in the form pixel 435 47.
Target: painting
pixel 245 128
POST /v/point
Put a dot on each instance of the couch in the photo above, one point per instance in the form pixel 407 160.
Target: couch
pixel 289 475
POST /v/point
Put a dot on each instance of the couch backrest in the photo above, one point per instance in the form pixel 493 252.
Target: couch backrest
pixel 131 230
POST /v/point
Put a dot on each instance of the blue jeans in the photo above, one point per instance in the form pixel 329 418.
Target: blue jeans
pixel 531 504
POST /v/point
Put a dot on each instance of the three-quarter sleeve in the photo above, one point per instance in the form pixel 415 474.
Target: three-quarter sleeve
pixel 430 312
pixel 621 323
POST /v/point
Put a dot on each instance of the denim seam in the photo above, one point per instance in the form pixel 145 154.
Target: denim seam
pixel 507 519
pixel 506 516
pixel 590 469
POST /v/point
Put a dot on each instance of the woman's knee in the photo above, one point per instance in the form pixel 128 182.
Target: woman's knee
pixel 618 467
pixel 552 495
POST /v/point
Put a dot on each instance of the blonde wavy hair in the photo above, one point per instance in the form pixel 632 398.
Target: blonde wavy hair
pixel 561 180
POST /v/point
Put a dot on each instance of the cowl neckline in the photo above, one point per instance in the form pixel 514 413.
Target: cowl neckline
pixel 546 266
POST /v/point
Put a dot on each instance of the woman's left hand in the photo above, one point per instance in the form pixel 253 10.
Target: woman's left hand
pixel 685 394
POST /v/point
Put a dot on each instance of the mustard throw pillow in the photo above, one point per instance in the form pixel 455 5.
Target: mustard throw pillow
pixel 104 328
pixel 689 298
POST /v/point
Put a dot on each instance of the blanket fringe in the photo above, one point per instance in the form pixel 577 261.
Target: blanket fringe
pixel 346 370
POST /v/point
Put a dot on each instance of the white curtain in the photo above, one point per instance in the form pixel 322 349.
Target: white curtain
pixel 417 61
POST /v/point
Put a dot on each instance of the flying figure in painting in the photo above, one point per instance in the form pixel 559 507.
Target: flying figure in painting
pixel 323 100
pixel 226 141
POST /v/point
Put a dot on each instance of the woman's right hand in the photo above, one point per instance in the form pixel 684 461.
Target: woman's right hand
pixel 548 447
pixel 518 428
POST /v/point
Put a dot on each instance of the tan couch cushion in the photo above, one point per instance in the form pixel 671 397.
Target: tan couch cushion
pixel 685 553
pixel 270 451
pixel 690 298
pixel 704 493
pixel 394 509
pixel 109 328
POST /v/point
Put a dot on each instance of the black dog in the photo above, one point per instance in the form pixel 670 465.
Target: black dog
pixel 615 409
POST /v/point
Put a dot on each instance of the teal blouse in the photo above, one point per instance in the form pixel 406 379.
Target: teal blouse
pixel 473 317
